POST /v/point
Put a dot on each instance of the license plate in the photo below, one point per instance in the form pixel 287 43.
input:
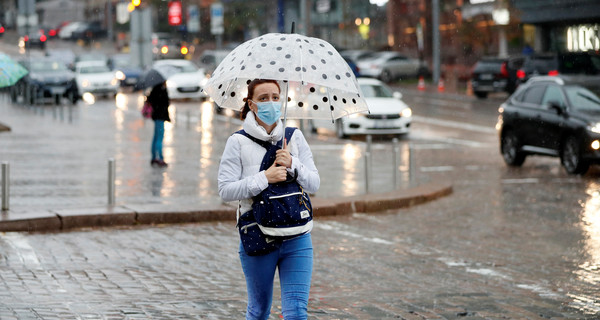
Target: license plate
pixel 383 124
pixel 57 90
pixel 486 77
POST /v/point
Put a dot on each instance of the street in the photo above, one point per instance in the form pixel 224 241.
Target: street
pixel 507 244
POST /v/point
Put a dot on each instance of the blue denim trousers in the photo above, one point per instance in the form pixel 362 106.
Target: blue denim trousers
pixel 294 260
pixel 157 140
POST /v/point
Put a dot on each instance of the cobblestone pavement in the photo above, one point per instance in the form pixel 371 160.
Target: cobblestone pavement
pixel 496 249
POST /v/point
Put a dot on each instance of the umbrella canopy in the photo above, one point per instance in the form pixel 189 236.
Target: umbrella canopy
pixel 316 79
pixel 155 76
pixel 10 71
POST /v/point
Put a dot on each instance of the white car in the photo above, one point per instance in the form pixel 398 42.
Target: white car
pixel 188 82
pixel 95 77
pixel 388 66
pixel 388 113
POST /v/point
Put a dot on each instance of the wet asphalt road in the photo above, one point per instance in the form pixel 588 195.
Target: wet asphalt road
pixel 508 244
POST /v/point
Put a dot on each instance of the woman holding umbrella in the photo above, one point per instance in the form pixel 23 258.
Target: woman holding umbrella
pixel 240 179
pixel 159 99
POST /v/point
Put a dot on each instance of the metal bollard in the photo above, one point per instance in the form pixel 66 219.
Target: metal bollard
pixel 5 185
pixel 411 162
pixel 111 181
pixel 395 158
pixel 368 163
pixel 189 121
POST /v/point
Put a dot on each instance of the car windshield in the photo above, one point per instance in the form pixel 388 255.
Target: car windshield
pixel 582 99
pixel 47 66
pixel 121 62
pixel 94 69
pixel 375 91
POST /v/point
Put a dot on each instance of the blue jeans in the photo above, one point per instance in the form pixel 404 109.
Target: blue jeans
pixel 157 141
pixel 294 260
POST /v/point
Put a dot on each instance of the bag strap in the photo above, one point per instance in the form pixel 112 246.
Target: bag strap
pixel 289 131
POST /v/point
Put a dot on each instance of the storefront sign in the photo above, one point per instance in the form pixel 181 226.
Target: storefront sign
pixel 583 38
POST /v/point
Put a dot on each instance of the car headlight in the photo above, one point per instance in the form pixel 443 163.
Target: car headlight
pixel 594 127
pixel 120 75
pixel 114 81
pixel 85 83
pixel 406 113
pixel 171 84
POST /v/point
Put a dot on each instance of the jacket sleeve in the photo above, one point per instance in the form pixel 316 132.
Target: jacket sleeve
pixel 232 186
pixel 308 175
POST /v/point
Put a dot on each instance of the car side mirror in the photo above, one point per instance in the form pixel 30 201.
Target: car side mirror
pixel 556 106
pixel 397 95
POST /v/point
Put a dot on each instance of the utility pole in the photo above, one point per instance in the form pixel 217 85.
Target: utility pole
pixel 435 29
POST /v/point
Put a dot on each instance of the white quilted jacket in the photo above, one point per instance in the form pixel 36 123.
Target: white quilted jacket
pixel 239 177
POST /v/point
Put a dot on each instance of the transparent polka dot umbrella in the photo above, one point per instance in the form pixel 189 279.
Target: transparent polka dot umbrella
pixel 317 81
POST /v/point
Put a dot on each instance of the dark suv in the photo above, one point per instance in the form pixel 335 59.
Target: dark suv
pixel 553 116
pixel 564 63
pixel 489 75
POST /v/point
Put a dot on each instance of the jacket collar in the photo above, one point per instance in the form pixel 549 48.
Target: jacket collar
pixel 254 129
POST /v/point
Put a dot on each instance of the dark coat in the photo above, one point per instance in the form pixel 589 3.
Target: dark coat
pixel 159 99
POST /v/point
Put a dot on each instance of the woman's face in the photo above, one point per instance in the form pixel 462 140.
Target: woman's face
pixel 262 93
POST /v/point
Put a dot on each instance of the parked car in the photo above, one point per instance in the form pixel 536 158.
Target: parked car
pixel 89 31
pixel 48 80
pixel 1 30
pixel 489 75
pixel 388 113
pixel 557 116
pixel 188 82
pixel 210 59
pixel 126 71
pixel 96 77
pixel 356 55
pixel 389 66
pixel 552 64
pixel 33 39
pixel 352 66
pixel 66 31
pixel 92 56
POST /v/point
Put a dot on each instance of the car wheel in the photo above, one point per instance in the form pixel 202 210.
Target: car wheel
pixel 386 76
pixel 481 95
pixel 571 157
pixel 510 150
pixel 339 130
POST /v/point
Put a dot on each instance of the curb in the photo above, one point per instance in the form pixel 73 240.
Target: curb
pixel 131 215
pixel 4 127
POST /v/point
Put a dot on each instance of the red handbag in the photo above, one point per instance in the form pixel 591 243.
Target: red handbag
pixel 147 110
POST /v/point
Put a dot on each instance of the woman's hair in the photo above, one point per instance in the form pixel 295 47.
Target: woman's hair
pixel 251 87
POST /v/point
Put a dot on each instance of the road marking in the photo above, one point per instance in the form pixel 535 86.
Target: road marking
pixel 517 181
pixel 437 169
pixel 454 124
pixel 23 249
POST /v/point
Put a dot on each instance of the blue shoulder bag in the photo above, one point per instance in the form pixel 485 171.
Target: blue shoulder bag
pixel 281 211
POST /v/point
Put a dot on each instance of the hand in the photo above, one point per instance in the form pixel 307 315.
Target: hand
pixel 276 173
pixel 283 156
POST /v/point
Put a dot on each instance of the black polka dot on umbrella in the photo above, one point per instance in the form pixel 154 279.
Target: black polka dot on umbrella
pixel 311 52
pixel 220 86
pixel 298 69
pixel 258 66
pixel 281 69
pixel 312 89
pixel 300 104
pixel 313 67
pixel 331 107
pixel 222 93
pixel 248 81
pixel 303 69
pixel 330 53
pixel 334 98
pixel 324 76
pixel 315 107
pixel 289 99
pixel 353 100
pixel 344 100
pixel 323 61
pixel 243 68
pixel 337 76
pixel 348 74
pixel 322 45
pixel 263 44
pixel 288 56
pixel 272 63
pixel 325 99
pixel 279 48
pixel 282 38
pixel 232 94
pixel 249 54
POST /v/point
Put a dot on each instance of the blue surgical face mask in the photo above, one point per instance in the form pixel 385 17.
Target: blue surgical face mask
pixel 268 111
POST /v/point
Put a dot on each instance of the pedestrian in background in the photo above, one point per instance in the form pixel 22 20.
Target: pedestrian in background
pixel 239 179
pixel 159 99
